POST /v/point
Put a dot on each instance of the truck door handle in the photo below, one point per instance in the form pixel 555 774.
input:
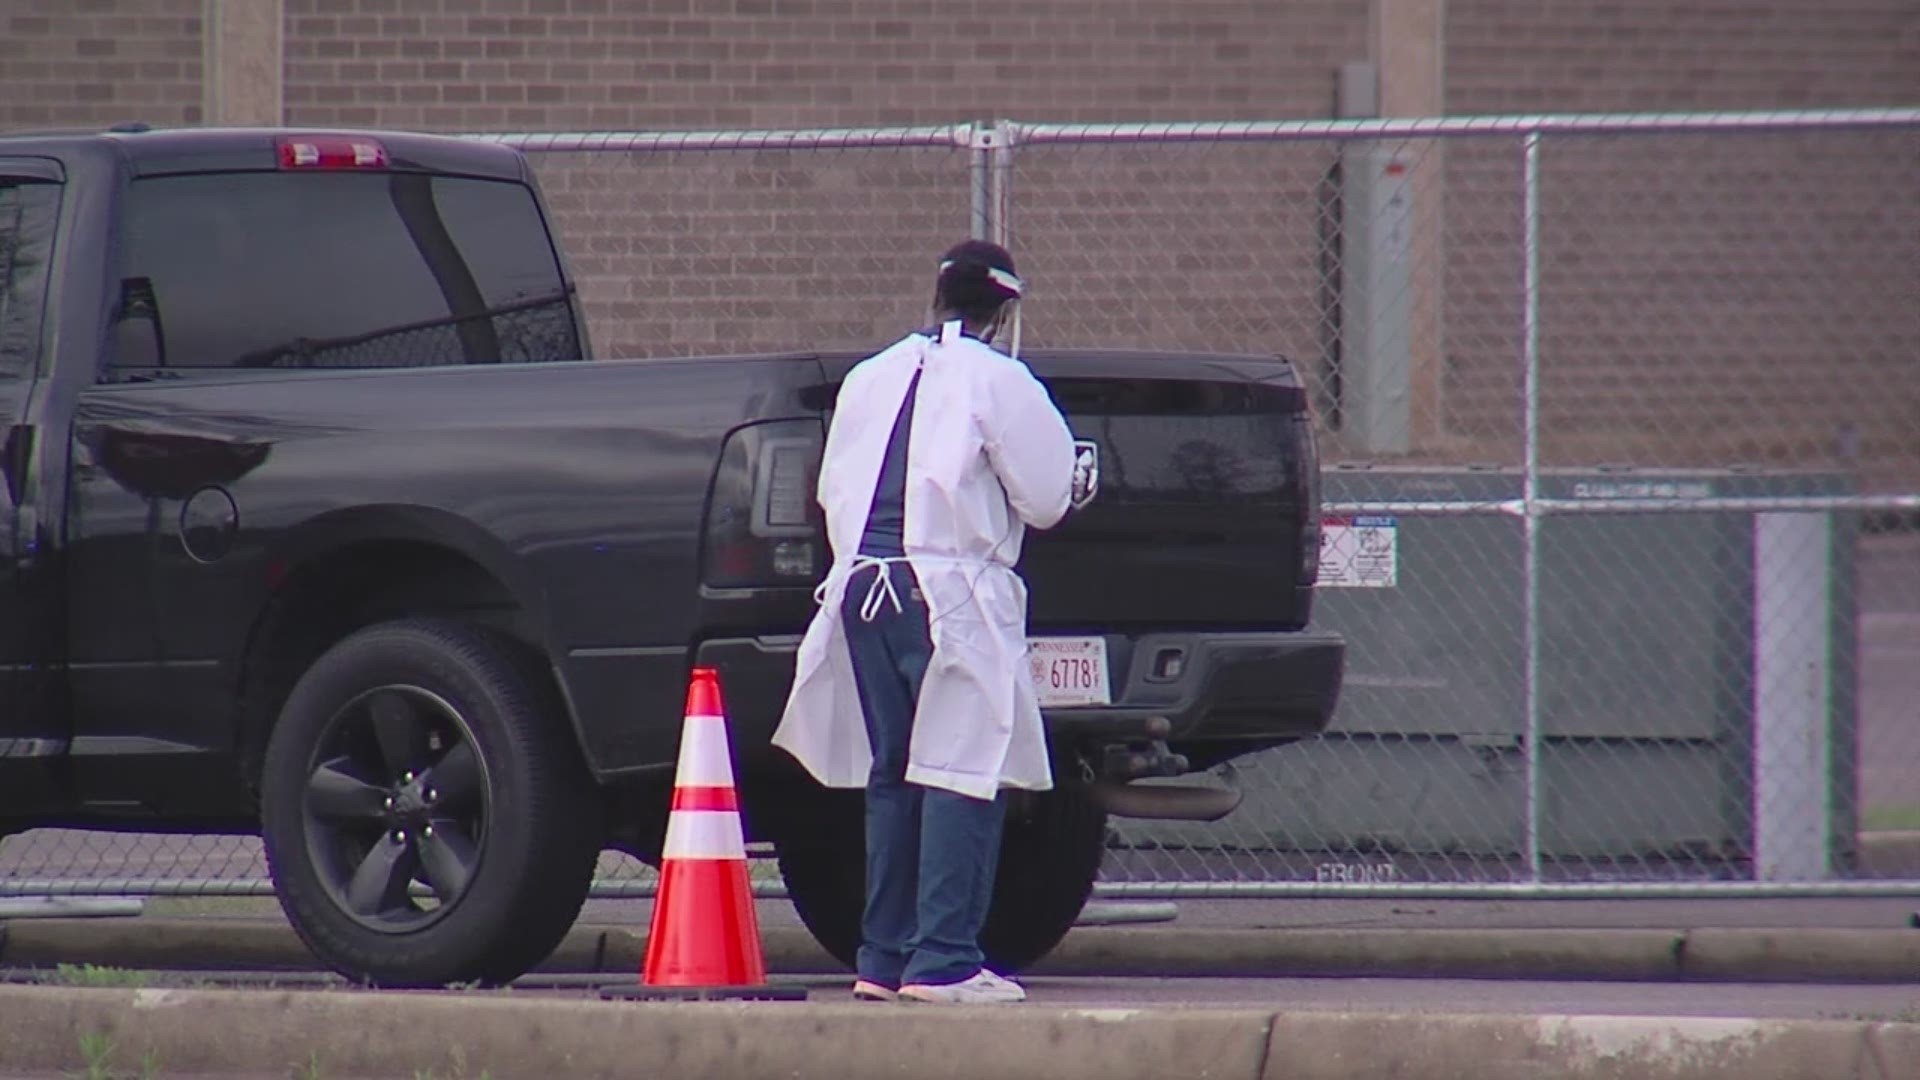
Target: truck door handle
pixel 15 458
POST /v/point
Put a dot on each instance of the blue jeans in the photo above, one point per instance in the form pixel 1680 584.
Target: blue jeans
pixel 931 853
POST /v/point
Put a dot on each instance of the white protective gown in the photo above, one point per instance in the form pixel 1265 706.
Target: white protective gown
pixel 989 456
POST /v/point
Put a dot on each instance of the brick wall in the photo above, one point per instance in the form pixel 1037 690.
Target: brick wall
pixel 699 253
pixel 90 63
pixel 1752 299
pixel 1705 301
pixel 442 64
pixel 1507 56
pixel 1180 246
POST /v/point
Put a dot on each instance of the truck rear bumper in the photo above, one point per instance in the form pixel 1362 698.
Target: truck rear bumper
pixel 1251 689
pixel 1234 687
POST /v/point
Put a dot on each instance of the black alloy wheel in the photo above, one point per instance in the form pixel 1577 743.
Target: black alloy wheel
pixel 396 795
pixel 427 817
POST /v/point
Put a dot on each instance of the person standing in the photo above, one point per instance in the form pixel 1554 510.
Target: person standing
pixel 912 680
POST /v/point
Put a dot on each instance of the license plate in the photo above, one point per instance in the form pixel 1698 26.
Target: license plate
pixel 1069 671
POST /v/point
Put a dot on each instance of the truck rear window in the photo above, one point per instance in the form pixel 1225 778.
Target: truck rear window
pixel 337 270
pixel 27 212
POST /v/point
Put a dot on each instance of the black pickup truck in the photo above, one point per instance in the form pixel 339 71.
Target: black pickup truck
pixel 321 523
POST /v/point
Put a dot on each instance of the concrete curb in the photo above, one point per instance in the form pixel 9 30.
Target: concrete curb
pixel 1707 955
pixel 1867 956
pixel 1335 1046
pixel 1892 854
pixel 1647 955
pixel 340 1034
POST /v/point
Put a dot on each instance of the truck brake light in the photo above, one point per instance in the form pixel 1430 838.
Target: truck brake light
pixel 331 153
pixel 783 495
pixel 764 527
pixel 1307 484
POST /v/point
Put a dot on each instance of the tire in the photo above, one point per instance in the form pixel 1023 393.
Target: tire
pixel 1049 857
pixel 499 820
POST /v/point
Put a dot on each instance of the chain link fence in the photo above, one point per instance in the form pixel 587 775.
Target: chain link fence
pixel 1621 423
pixel 537 331
pixel 1618 413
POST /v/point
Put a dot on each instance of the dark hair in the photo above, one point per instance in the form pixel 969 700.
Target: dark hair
pixel 966 284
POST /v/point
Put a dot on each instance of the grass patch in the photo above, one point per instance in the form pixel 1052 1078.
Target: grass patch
pixel 1890 819
pixel 97 1050
pixel 457 1070
pixel 93 975
pixel 224 907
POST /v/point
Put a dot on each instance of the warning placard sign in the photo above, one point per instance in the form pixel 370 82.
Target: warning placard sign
pixel 1359 552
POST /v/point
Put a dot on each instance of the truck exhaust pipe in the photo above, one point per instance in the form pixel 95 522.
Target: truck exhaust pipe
pixel 1165 802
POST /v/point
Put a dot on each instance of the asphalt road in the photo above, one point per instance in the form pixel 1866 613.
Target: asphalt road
pixel 1458 995
pixel 1876 1002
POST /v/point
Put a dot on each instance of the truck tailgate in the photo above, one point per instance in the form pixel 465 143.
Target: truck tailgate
pixel 1207 497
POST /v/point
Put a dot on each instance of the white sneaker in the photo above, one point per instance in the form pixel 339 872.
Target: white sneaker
pixel 867 990
pixel 985 988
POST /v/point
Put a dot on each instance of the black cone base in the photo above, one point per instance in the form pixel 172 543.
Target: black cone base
pixel 643 992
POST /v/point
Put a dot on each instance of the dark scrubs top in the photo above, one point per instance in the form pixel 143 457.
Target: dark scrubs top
pixel 887 517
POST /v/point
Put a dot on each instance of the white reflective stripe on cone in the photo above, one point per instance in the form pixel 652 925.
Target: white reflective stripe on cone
pixel 704 834
pixel 704 761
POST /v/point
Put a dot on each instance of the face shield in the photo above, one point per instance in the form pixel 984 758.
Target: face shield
pixel 1009 312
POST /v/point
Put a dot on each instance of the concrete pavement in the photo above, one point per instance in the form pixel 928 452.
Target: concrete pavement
pixel 215 1033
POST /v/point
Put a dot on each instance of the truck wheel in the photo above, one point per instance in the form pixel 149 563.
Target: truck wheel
pixel 426 817
pixel 1049 857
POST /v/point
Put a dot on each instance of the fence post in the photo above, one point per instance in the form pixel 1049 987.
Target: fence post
pixel 1792 709
pixel 1004 135
pixel 991 164
pixel 980 180
pixel 1530 493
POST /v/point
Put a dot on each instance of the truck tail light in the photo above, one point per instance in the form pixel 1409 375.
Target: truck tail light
pixel 1307 483
pixel 764 526
pixel 331 152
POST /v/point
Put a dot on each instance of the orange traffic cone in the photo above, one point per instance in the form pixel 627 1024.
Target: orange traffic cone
pixel 705 937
